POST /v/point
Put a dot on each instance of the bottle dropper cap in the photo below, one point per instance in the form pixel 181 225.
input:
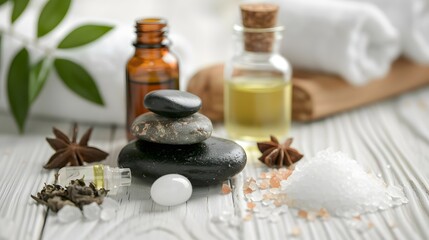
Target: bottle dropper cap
pixel 122 177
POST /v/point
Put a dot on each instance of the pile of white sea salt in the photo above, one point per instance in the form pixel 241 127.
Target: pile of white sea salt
pixel 335 182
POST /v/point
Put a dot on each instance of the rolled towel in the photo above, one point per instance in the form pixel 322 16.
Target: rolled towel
pixel 353 40
pixel 104 59
pixel 411 19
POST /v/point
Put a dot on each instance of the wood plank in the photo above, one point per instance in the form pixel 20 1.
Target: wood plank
pixel 21 174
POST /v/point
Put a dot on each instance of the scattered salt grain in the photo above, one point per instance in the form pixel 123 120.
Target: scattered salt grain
pixel 267 202
pixel 275 190
pixel 333 181
pixel 264 184
pixel 69 214
pixel 253 186
pixel 256 196
pixel 91 211
pixel 282 209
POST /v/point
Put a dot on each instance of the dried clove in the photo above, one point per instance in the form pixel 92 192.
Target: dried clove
pixel 77 194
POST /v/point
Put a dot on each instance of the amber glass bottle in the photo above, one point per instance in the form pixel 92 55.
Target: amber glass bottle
pixel 152 67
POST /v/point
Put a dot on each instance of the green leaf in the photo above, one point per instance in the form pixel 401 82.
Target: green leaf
pixel 52 14
pixel 83 35
pixel 17 87
pixel 1 49
pixel 38 75
pixel 2 2
pixel 18 8
pixel 78 80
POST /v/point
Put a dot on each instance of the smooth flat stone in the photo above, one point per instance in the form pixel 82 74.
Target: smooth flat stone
pixel 171 190
pixel 159 129
pixel 172 103
pixel 209 162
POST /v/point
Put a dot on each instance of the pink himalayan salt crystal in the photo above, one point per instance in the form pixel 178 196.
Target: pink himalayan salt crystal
pixel 264 184
pixel 267 196
pixel 285 174
pixel 249 180
pixel 249 186
pixel 303 214
pixel 277 203
pixel 251 205
pixel 226 188
pixel 323 213
pixel 247 190
pixel 248 217
pixel 268 185
pixel 275 182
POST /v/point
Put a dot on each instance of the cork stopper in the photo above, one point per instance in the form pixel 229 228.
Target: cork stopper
pixel 259 16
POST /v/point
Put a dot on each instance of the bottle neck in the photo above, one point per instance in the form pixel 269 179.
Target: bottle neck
pixel 151 53
pixel 258 42
pixel 151 33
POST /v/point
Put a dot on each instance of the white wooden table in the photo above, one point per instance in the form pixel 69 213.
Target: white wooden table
pixel 377 136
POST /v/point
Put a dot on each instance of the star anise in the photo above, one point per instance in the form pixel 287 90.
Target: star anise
pixel 276 154
pixel 70 152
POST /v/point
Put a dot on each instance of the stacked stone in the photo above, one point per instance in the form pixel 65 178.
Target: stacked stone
pixel 174 138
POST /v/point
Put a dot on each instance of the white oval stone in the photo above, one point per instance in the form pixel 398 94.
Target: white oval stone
pixel 171 189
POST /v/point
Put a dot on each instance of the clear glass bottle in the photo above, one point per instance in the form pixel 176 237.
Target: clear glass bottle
pixel 258 89
pixel 110 178
pixel 152 67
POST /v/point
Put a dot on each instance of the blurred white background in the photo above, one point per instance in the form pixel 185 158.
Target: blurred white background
pixel 201 32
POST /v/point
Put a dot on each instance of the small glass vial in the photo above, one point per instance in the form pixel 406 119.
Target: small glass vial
pixel 258 87
pixel 153 66
pixel 110 178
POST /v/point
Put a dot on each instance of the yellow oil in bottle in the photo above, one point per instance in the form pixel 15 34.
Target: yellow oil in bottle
pixel 257 108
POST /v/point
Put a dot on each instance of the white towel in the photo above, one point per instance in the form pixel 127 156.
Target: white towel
pixel 104 59
pixel 353 40
pixel 411 19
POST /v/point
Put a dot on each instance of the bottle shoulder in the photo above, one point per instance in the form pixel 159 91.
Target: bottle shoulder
pixel 258 63
pixel 167 60
pixel 154 54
